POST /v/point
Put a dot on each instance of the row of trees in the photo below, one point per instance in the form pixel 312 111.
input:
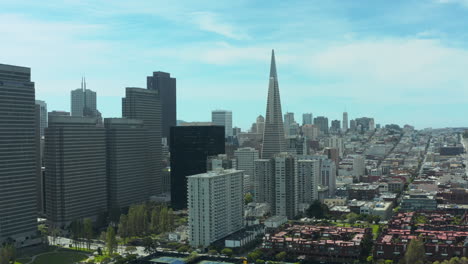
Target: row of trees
pixel 145 219
pixel 82 232
pixel 7 254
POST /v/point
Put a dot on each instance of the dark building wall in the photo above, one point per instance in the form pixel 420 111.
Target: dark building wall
pixel 145 105
pixel 127 161
pixel 190 148
pixel 166 85
pixel 18 164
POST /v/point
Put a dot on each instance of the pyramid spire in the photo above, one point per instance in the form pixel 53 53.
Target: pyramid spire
pixel 273 65
pixel 273 136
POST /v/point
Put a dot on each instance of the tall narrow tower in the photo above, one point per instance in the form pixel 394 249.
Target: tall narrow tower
pixel 273 136
pixel 345 121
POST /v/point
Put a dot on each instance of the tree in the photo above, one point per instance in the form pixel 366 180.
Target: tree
pixel 212 252
pixel 154 222
pixel 111 241
pixel 88 231
pixel 248 198
pixel 183 249
pixel 227 252
pixel 43 231
pixel 123 227
pixel 253 256
pixel 149 245
pixel 352 217
pixel 415 252
pixel 281 256
pixel 370 259
pixel 317 210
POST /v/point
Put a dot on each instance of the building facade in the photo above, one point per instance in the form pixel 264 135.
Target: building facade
pixel 190 147
pixel 308 172
pixel 286 179
pixel 18 163
pixel 246 162
pixel 83 101
pixel 215 206
pixel 345 122
pixel 145 105
pixel 223 118
pixel 75 161
pixel 42 115
pixel 307 119
pixel 167 89
pixel 322 123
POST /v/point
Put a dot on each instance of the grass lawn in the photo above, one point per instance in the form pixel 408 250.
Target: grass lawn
pixel 375 231
pixel 22 260
pixel 60 258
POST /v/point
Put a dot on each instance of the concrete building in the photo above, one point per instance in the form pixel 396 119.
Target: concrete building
pixel 273 137
pixel 127 163
pixel 285 188
pixel 288 121
pixel 359 166
pixel 307 119
pixel 264 182
pixel 308 172
pixel 145 105
pixel 311 132
pixel 215 206
pixel 18 153
pixel 335 142
pixel 42 115
pixel 418 200
pixel 345 121
pixel 328 175
pixel 223 118
pixel 260 122
pixel 220 161
pixel 322 123
pixel 246 162
pixel 166 86
pixel 75 161
pixel 83 101
pixel 335 126
pixel 190 147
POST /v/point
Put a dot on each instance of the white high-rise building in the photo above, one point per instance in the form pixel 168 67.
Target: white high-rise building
pixel 223 118
pixel 308 180
pixel 286 193
pixel 246 162
pixel 345 121
pixel 215 206
pixel 260 125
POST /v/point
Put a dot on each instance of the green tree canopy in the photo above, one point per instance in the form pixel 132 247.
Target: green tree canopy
pixel 415 253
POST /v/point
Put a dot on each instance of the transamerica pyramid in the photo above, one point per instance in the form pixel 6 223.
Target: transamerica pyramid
pixel 273 136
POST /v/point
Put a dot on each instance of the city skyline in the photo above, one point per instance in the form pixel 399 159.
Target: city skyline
pixel 384 61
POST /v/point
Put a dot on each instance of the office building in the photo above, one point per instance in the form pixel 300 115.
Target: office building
pixel 322 123
pixel 39 156
pixel 220 161
pixel 57 113
pixel 215 206
pixel 328 175
pixel 83 102
pixel 223 118
pixel 264 182
pixel 365 123
pixel 260 125
pixel 335 142
pixel 18 152
pixel 308 172
pixel 307 119
pixel 127 162
pixel 145 105
pixel 359 166
pixel 286 179
pixel 336 126
pixel 167 90
pixel 75 161
pixel 273 137
pixel 190 147
pixel 42 115
pixel 345 121
pixel 296 145
pixel 288 121
pixel 352 125
pixel 246 162
pixel 311 132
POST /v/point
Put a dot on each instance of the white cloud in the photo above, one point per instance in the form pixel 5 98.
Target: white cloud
pixel 211 22
pixel 459 2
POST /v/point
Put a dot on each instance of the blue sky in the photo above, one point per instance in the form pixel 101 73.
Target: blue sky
pixel 397 61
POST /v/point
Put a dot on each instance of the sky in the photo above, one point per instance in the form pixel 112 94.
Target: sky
pixel 399 61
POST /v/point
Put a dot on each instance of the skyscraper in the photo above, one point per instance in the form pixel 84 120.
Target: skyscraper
pixel 307 119
pixel 83 101
pixel 190 147
pixel 127 161
pixel 335 126
pixel 288 121
pixel 145 105
pixel 273 136
pixel 223 118
pixel 75 161
pixel 18 163
pixel 286 193
pixel 345 121
pixel 215 205
pixel 264 182
pixel 322 123
pixel 307 180
pixel 42 115
pixel 246 162
pixel 260 122
pixel 167 88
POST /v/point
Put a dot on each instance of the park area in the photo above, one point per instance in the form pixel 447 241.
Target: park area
pixel 54 257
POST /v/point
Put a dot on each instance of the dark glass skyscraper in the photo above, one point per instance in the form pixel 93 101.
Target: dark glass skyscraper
pixel 190 148
pixel 166 85
pixel 18 152
pixel 273 137
pixel 145 105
